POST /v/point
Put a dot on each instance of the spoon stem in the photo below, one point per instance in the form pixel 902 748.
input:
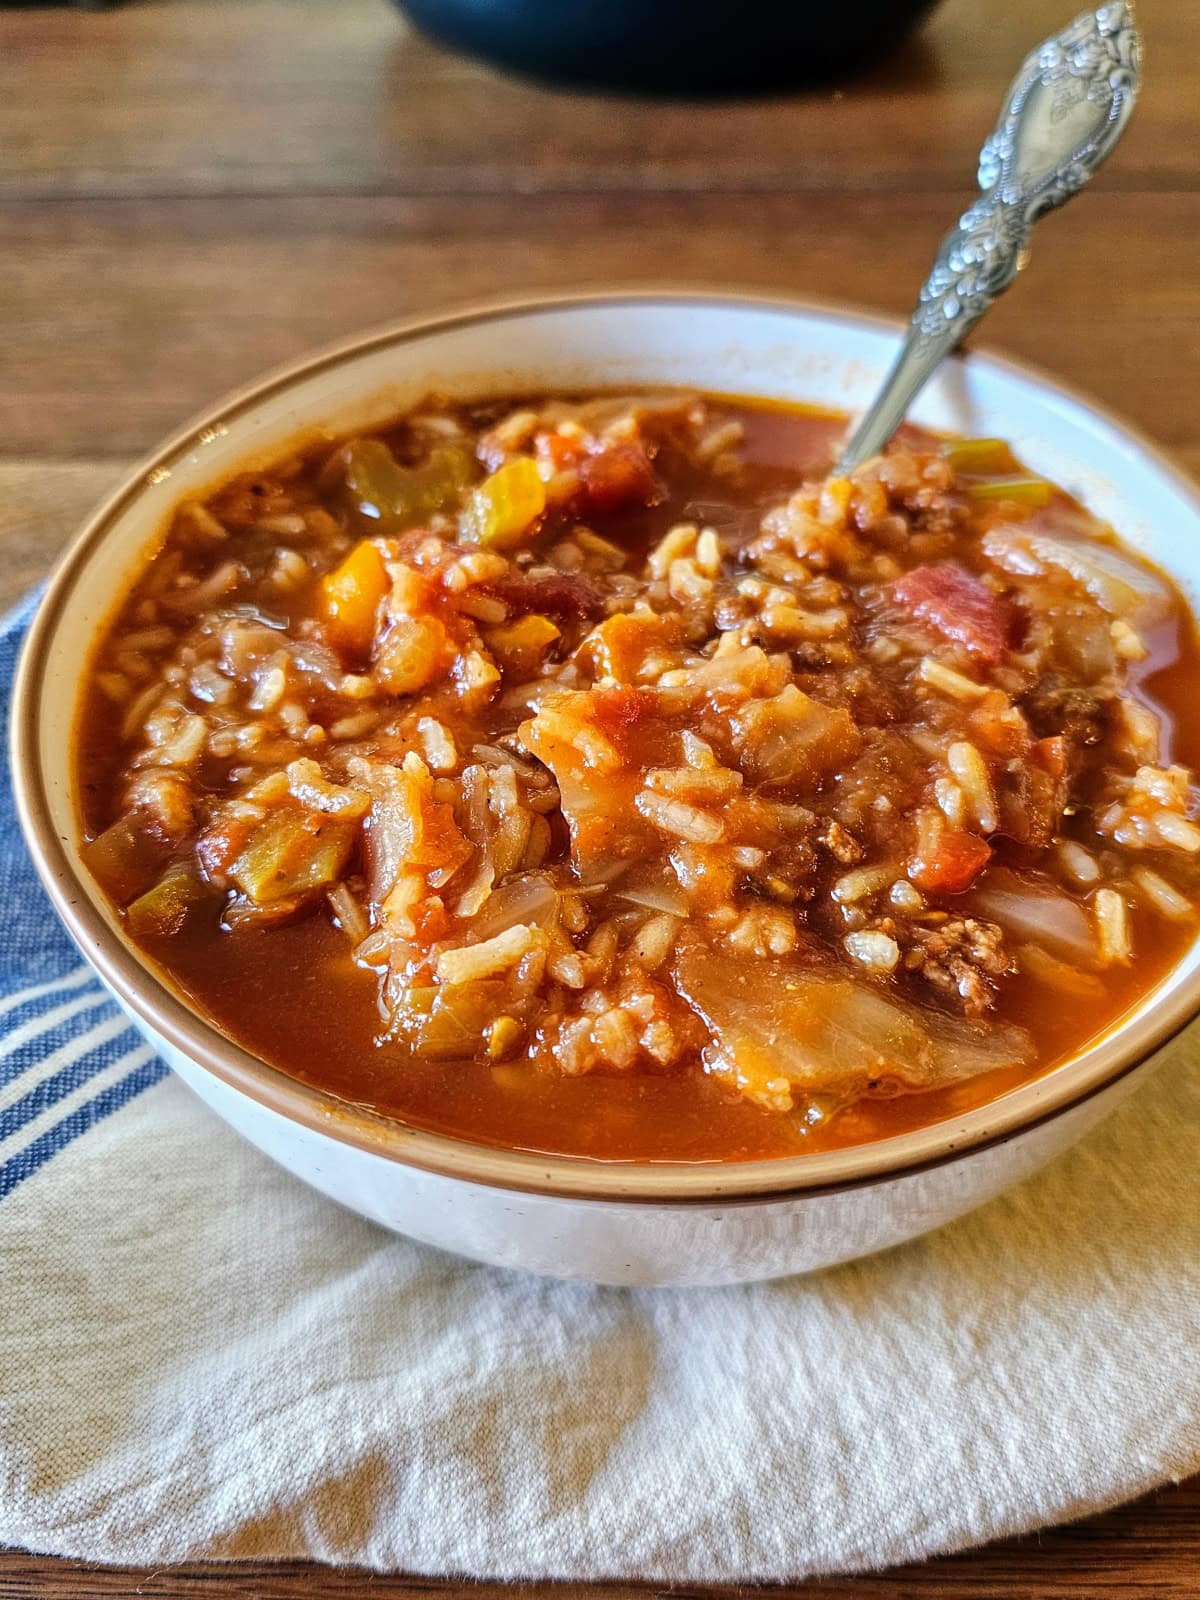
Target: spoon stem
pixel 1064 112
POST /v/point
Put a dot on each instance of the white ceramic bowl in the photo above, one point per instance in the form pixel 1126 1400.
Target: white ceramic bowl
pixel 575 1218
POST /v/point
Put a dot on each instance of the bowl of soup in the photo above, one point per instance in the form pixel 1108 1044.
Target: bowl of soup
pixel 522 786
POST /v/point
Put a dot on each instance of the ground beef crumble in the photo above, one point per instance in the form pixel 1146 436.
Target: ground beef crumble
pixel 963 958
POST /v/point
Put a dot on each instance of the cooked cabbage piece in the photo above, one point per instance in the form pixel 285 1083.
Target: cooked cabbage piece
pixel 784 1033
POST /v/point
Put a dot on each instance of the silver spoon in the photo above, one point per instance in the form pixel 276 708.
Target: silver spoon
pixel 1064 112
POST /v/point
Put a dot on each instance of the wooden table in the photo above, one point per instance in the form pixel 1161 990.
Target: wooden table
pixel 192 191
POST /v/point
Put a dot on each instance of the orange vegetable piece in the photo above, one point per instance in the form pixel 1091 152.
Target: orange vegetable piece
pixel 621 645
pixel 947 860
pixel 561 450
pixel 349 598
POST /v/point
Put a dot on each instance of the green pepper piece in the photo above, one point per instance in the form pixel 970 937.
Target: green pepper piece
pixel 450 1022
pixel 293 851
pixel 165 908
pixel 126 858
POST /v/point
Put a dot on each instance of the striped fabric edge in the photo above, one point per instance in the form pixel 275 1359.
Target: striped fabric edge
pixel 68 1059
pixel 18 615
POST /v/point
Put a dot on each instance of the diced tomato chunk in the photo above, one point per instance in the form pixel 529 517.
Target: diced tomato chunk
pixel 1051 756
pixel 429 921
pixel 563 594
pixel 621 708
pixel 618 475
pixel 560 450
pixel 952 864
pixel 959 606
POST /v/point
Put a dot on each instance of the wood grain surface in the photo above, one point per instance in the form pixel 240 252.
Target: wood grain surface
pixel 192 190
pixel 1145 1551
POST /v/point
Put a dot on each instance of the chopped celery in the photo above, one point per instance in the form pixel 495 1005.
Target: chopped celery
pixel 1024 491
pixel 396 497
pixel 503 509
pixel 293 851
pixel 165 908
pixel 981 455
pixel 996 472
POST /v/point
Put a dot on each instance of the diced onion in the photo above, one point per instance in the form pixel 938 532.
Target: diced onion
pixel 656 897
pixel 350 914
pixel 1117 583
pixel 965 1049
pixel 530 900
pixel 1043 916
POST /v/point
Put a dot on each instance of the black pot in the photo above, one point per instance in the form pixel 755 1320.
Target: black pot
pixel 672 46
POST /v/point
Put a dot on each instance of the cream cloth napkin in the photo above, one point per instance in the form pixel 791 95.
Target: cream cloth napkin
pixel 200 1357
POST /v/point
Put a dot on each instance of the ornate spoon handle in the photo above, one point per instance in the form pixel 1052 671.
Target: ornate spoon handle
pixel 1064 112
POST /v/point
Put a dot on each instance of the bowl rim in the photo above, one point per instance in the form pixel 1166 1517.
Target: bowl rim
pixel 147 993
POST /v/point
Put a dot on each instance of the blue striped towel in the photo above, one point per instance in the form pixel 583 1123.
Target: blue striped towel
pixel 200 1357
pixel 68 1055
